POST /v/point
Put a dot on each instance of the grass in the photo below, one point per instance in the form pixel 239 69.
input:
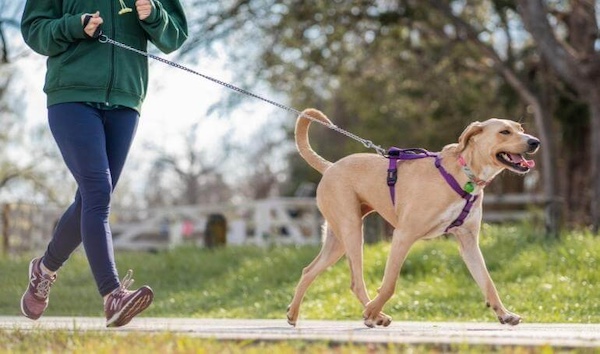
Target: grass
pixel 100 343
pixel 543 281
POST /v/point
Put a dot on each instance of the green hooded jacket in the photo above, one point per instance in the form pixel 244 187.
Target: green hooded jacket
pixel 80 69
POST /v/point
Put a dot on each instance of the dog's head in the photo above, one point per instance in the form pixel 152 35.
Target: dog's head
pixel 503 141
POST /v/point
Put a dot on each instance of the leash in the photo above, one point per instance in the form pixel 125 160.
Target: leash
pixel 102 38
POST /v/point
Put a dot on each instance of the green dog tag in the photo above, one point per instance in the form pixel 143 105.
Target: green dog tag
pixel 469 187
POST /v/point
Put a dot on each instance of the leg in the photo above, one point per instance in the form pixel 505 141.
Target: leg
pixel 398 253
pixel 353 243
pixel 66 237
pixel 330 253
pixel 67 234
pixel 471 254
pixel 86 141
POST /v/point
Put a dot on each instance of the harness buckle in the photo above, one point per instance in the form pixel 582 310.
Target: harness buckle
pixel 393 153
pixel 392 177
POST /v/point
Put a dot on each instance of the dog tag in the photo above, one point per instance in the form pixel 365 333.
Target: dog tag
pixel 469 187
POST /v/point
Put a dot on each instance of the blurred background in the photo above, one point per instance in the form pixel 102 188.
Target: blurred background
pixel 210 166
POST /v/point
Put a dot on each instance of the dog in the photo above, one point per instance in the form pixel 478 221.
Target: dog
pixel 425 206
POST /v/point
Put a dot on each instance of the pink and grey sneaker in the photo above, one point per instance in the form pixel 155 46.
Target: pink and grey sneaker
pixel 35 299
pixel 122 305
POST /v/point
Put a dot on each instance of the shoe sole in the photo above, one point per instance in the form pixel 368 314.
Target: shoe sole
pixel 132 308
pixel 23 309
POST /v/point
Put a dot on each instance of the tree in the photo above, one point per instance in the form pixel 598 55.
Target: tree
pixel 24 156
pixel 261 175
pixel 9 12
pixel 188 177
pixel 575 58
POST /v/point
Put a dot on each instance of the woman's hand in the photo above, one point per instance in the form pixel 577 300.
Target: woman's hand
pixel 144 8
pixel 95 22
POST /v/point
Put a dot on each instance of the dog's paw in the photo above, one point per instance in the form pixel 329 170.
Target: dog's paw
pixel 374 317
pixel 383 320
pixel 291 318
pixel 380 320
pixel 510 318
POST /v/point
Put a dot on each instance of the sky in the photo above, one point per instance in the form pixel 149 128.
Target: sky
pixel 175 100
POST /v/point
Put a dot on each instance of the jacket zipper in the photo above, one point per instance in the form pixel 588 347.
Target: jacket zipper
pixel 112 57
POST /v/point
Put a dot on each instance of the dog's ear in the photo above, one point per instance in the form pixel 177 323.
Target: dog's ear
pixel 473 129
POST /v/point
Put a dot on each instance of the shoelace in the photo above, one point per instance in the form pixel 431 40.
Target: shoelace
pixel 43 287
pixel 125 284
pixel 121 292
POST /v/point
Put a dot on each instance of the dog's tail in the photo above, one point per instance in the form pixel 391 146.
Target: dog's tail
pixel 302 143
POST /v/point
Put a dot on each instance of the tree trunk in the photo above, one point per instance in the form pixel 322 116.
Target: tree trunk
pixel 594 104
pixel 5 229
pixel 543 119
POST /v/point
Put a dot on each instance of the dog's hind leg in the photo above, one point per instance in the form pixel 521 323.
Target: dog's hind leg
pixel 331 251
pixel 353 243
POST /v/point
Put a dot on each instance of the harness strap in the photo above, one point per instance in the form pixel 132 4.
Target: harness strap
pixel 395 154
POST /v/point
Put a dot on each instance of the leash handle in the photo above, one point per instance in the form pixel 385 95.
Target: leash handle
pixel 97 32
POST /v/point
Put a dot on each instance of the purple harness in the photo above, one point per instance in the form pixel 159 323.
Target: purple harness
pixel 395 154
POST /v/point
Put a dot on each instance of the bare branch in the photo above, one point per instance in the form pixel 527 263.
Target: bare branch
pixel 561 56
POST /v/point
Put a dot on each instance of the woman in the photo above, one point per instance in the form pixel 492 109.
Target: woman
pixel 94 97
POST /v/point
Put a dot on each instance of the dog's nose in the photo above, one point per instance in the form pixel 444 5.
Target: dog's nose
pixel 533 144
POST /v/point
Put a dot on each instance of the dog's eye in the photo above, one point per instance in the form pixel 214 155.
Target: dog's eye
pixel 505 132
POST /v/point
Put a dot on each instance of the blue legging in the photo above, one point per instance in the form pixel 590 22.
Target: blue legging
pixel 94 145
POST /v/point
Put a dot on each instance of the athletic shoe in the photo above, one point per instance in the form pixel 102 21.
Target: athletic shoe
pixel 122 304
pixel 35 299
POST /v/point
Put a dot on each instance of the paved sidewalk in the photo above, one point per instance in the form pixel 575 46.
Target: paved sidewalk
pixel 531 334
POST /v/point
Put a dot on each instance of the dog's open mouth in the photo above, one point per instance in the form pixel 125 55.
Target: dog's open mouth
pixel 515 162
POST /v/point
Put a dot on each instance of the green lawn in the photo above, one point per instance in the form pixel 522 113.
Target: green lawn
pixel 543 281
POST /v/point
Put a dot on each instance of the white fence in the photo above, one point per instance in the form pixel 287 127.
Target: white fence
pixel 276 221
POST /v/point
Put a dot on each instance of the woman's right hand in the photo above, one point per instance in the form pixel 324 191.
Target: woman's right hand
pixel 93 24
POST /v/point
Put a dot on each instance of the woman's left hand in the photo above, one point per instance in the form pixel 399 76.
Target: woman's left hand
pixel 144 8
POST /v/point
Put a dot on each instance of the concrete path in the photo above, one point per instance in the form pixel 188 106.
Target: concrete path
pixel 530 334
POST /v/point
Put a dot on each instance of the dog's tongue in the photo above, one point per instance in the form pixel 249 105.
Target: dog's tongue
pixel 523 162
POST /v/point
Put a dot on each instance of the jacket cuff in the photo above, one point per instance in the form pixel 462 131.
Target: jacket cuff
pixel 75 27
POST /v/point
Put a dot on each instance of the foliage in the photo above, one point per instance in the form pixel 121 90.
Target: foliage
pixel 382 70
pixel 542 281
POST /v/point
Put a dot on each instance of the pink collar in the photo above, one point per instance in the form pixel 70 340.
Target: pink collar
pixel 469 173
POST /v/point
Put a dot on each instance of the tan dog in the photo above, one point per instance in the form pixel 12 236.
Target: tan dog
pixel 425 206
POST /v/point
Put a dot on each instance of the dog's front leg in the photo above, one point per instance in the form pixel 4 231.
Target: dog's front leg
pixel 471 254
pixel 398 252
